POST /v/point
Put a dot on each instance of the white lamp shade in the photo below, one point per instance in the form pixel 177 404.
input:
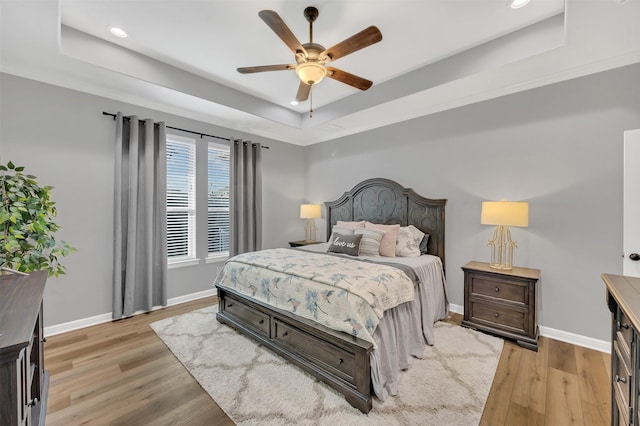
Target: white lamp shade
pixel 310 211
pixel 505 213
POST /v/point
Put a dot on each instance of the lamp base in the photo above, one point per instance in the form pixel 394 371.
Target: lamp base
pixel 501 266
pixel 310 231
pixel 501 249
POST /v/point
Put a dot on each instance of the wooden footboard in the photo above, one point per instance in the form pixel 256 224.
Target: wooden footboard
pixel 338 359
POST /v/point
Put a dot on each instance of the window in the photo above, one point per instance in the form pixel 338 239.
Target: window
pixel 181 198
pixel 218 200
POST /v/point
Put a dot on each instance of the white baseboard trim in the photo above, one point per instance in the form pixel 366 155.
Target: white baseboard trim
pixel 563 336
pixel 456 309
pixel 576 339
pixel 552 333
pixel 52 330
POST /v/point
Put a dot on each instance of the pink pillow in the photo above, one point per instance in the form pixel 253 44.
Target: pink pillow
pixel 350 225
pixel 388 242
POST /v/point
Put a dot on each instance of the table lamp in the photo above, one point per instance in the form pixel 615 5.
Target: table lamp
pixel 503 214
pixel 310 212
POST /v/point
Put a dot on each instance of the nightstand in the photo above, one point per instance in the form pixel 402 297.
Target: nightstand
pixel 502 302
pixel 302 243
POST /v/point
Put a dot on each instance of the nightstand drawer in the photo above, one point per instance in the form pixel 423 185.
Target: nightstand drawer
pixel 502 302
pixel 500 289
pixel 499 317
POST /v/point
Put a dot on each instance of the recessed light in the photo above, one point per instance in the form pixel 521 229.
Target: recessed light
pixel 517 4
pixel 294 102
pixel 118 32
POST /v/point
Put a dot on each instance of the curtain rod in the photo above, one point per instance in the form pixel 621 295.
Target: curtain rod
pixel 185 130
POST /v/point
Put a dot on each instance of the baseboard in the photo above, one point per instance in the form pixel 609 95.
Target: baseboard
pixel 52 330
pixel 456 309
pixel 564 336
pixel 102 318
pixel 576 339
pixel 552 333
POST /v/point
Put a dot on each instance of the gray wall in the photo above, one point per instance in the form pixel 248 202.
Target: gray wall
pixel 61 136
pixel 558 147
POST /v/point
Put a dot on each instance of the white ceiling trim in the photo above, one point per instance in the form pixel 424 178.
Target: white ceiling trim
pixel 600 35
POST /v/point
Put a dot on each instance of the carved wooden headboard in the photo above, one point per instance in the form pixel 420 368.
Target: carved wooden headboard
pixel 381 200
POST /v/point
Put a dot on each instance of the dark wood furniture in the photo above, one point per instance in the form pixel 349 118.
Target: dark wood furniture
pixel 623 299
pixel 23 380
pixel 301 243
pixel 502 302
pixel 336 358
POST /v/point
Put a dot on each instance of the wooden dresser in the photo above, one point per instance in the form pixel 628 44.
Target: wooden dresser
pixel 23 380
pixel 623 299
pixel 502 302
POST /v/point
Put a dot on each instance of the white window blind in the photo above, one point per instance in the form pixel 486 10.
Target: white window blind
pixel 218 200
pixel 181 199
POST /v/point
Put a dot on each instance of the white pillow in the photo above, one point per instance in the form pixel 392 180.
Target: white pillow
pixel 370 243
pixel 409 238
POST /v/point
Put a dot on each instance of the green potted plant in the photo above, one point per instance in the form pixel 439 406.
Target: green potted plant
pixel 27 226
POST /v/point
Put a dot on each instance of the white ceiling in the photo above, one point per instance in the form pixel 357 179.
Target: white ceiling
pixel 181 56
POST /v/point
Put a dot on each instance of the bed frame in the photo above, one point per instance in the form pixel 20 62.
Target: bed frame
pixel 338 359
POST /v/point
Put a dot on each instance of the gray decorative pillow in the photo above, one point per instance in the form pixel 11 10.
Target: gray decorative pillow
pixel 423 244
pixel 370 243
pixel 409 238
pixel 336 230
pixel 347 244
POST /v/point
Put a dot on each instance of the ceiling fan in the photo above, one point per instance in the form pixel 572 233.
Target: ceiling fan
pixel 311 58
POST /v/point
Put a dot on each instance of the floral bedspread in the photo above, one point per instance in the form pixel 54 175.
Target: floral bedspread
pixel 340 293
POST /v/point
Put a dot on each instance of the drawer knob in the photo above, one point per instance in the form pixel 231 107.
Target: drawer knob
pixel 497 315
pixel 285 334
pixel 340 361
pixel 620 379
pixel 497 289
pixel 261 321
pixel 229 305
pixel 634 256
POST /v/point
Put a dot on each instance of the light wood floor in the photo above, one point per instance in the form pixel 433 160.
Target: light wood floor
pixel 121 373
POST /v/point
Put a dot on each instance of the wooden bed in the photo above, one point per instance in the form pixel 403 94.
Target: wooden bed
pixel 338 359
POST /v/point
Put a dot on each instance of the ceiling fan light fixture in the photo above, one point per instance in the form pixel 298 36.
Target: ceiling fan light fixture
pixel 310 72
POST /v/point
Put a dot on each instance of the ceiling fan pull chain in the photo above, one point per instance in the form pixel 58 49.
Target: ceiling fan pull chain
pixel 311 102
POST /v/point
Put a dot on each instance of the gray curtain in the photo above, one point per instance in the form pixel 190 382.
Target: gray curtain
pixel 140 249
pixel 246 197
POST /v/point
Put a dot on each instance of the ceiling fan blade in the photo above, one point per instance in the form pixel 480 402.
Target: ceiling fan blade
pixel 277 25
pixel 303 92
pixel 348 78
pixel 364 38
pixel 263 68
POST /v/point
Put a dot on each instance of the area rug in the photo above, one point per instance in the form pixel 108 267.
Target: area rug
pixel 254 386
